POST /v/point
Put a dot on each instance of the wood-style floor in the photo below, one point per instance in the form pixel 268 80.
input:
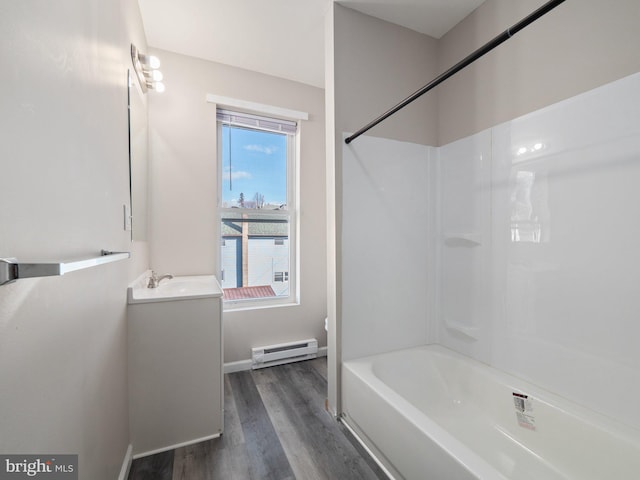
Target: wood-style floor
pixel 276 427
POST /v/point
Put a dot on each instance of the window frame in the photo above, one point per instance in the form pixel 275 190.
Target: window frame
pixel 291 213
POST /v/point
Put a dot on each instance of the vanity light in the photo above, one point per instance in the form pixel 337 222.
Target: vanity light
pixel 153 61
pixel 146 67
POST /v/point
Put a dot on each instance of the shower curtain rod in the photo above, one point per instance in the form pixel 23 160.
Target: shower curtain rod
pixel 487 47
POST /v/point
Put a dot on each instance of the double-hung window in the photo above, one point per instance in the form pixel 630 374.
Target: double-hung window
pixel 256 165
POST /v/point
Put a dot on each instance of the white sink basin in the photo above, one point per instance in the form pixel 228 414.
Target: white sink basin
pixel 176 288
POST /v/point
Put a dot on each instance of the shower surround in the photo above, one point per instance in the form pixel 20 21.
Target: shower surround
pixel 516 247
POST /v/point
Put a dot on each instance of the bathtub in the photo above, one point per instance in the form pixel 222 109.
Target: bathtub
pixel 429 413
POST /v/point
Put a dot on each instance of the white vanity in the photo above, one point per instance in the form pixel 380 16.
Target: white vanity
pixel 175 362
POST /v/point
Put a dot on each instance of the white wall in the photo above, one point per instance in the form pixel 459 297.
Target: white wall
pixel 371 65
pixel 64 154
pixel 574 48
pixel 463 210
pixel 555 271
pixel 385 245
pixel 183 230
pixel 376 65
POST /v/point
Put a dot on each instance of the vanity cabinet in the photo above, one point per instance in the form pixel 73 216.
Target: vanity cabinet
pixel 175 363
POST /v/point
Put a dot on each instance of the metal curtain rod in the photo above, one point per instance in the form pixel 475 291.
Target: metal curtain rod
pixel 487 47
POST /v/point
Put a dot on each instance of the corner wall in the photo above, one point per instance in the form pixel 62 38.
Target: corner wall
pixel 373 64
pixel 539 240
pixel 579 46
pixel 64 154
pixel 385 232
pixel 376 65
pixel 574 48
pixel 183 230
pixel 541 310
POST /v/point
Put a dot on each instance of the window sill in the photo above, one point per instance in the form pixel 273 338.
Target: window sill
pixel 243 305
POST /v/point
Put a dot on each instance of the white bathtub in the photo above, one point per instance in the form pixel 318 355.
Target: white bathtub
pixel 429 413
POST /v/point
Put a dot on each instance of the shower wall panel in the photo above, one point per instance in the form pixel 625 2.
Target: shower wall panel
pixel 465 240
pixel 385 245
pixel 561 285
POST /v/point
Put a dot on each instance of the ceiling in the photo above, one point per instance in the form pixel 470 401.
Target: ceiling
pixel 284 38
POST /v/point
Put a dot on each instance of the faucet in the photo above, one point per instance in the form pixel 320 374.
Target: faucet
pixel 154 279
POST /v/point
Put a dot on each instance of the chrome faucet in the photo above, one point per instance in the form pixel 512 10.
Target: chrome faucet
pixel 154 279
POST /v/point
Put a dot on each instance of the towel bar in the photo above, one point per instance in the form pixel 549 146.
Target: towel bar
pixel 12 270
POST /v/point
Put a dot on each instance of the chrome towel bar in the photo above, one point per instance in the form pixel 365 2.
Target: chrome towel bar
pixel 12 270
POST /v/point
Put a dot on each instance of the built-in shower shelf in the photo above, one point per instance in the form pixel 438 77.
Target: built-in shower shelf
pixel 462 239
pixel 466 330
pixel 12 270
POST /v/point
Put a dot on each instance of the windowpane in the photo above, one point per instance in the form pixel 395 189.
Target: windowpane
pixel 254 168
pixel 255 255
pixel 257 207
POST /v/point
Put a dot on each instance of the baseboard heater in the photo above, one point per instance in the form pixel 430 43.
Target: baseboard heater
pixel 282 353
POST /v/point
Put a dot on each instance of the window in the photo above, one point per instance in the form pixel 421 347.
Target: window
pixel 256 163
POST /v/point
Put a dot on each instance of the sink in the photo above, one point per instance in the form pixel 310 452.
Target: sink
pixel 177 288
pixel 175 362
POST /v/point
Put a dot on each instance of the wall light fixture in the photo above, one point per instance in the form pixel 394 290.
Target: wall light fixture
pixel 146 67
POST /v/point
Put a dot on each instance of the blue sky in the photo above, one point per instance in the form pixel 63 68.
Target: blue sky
pixel 258 164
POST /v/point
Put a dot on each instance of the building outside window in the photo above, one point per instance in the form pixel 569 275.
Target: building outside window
pixel 256 164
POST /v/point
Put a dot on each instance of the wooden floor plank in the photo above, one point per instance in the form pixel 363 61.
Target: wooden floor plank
pixel 232 428
pixel 302 459
pixel 220 458
pixel 261 440
pixel 194 462
pixel 153 467
pixel 304 403
pixel 380 475
pixel 320 365
pixel 276 427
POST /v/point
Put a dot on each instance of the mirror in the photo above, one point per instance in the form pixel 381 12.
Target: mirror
pixel 138 159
